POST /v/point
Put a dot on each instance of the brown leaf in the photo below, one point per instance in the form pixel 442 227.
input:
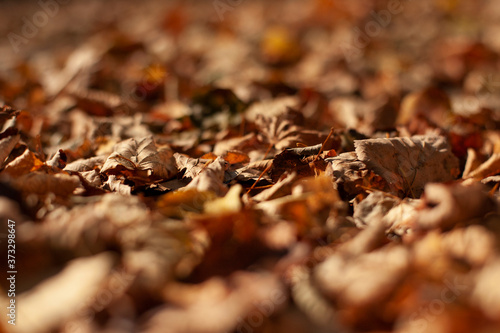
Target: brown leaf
pixel 363 281
pixel 373 208
pixel 6 113
pixel 211 178
pixel 407 164
pixel 489 168
pixel 22 164
pixel 281 131
pixel 88 164
pixel 486 295
pixel 225 303
pixel 142 159
pixel 431 104
pixel 446 206
pixel 288 160
pixel 80 279
pixel 351 176
pixel 6 145
pixel 115 184
pixel 41 183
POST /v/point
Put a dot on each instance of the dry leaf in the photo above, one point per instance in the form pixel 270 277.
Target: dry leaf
pixel 22 164
pixel 407 164
pixel 447 205
pixel 486 295
pixel 281 131
pixel 351 176
pixel 78 282
pixel 6 145
pixel 226 304
pixel 142 159
pixel 361 281
pixel 41 183
pixel 211 178
pixel 489 168
pixel 88 164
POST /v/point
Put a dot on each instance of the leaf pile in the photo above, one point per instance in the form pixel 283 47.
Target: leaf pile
pixel 232 166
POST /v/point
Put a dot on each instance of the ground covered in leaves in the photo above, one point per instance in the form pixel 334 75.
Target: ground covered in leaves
pixel 251 166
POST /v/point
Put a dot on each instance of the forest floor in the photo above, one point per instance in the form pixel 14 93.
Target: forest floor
pixel 250 166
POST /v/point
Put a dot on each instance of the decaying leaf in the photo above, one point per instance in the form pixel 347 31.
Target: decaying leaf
pixel 140 158
pixel 281 131
pixel 6 145
pixel 22 164
pixel 78 282
pixel 489 168
pixel 486 294
pixel 407 164
pixel 227 304
pixel 373 208
pixel 447 205
pixel 361 281
pixel 211 178
pixel 352 176
pixel 6 113
pixel 41 183
pixel 86 164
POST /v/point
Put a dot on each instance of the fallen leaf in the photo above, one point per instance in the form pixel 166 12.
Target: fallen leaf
pixel 407 164
pixel 444 206
pixel 142 159
pixel 210 178
pixel 80 280
pixel 41 183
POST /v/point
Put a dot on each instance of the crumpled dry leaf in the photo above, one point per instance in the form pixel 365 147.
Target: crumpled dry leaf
pixel 58 161
pixel 176 204
pixel 288 160
pixel 246 144
pixel 407 164
pixel 448 205
pixel 6 113
pixel 373 208
pixel 115 184
pixel 361 281
pixel 281 188
pixel 211 178
pixel 93 178
pixel 41 183
pixel 312 205
pixel 80 280
pixel 272 107
pixel 431 104
pixel 190 167
pixel 142 159
pixel 280 132
pixel 87 164
pixel 489 168
pixel 474 245
pixel 227 305
pixel 486 294
pixel 398 216
pixel 22 164
pixel 230 203
pixel 6 145
pixel 114 219
pixel 351 176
